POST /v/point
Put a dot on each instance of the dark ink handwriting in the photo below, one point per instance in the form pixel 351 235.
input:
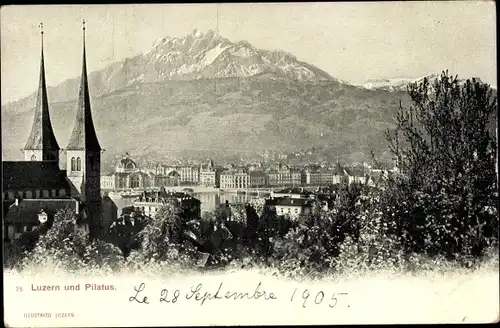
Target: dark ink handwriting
pixel 140 289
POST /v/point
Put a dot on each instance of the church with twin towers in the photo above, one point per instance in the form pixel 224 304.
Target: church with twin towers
pixel 36 188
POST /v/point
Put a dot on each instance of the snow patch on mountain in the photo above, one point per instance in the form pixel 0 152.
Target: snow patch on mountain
pixel 212 54
pixel 401 83
pixel 207 55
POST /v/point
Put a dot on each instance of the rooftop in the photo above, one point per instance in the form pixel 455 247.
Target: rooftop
pixel 23 175
pixel 287 201
pixel 299 191
pixel 27 210
pixel 165 195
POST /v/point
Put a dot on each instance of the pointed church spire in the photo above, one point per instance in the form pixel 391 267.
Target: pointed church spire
pixel 42 135
pixel 83 136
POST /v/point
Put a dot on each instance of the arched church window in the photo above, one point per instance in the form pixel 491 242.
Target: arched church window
pixel 78 164
pixel 33 157
pixel 73 164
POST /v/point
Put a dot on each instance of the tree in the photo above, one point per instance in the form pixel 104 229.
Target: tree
pixel 444 194
pixel 67 244
pixel 65 235
pixel 17 250
pixel 162 231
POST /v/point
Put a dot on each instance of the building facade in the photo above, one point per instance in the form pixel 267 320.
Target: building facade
pixel 150 202
pixel 257 179
pixel 234 179
pixel 127 175
pixel 321 177
pixel 190 174
pixel 171 179
pixel 294 208
pixel 209 176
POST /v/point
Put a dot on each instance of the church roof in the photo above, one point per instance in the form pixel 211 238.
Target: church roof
pixel 42 135
pixel 83 135
pixel 28 209
pixel 32 175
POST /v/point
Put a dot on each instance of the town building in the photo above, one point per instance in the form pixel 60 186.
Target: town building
pixel 321 177
pixel 163 169
pixel 26 214
pixel 294 208
pixel 257 179
pixel 357 175
pixel 279 175
pixel 166 176
pixel 108 182
pixel 209 176
pixel 189 174
pixel 127 175
pixel 234 179
pixel 171 179
pixel 151 201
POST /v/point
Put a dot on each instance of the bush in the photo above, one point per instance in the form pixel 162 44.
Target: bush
pixel 444 198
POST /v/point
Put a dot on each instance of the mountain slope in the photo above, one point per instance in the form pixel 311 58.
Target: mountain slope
pixel 203 95
pixel 227 118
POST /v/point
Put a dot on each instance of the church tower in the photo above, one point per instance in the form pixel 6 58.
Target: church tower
pixel 83 154
pixel 42 144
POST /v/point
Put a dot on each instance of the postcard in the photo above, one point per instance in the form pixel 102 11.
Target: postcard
pixel 249 164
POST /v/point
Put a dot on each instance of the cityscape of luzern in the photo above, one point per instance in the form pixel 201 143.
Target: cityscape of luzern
pixel 207 150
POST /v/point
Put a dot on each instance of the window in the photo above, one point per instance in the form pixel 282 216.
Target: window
pixel 78 164
pixel 135 181
pixel 296 210
pixel 73 164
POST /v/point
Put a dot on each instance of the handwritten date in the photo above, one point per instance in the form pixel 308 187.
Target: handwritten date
pixel 200 294
pixel 318 298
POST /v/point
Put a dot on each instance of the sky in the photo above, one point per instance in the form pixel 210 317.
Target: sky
pixel 352 41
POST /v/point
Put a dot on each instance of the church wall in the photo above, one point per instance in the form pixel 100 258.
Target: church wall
pixel 33 155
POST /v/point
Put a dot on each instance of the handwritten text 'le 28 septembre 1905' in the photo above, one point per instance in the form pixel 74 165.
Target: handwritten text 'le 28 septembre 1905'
pixel 197 293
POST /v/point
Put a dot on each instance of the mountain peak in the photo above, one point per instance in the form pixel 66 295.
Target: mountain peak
pixel 197 33
pixel 401 83
pixel 209 55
